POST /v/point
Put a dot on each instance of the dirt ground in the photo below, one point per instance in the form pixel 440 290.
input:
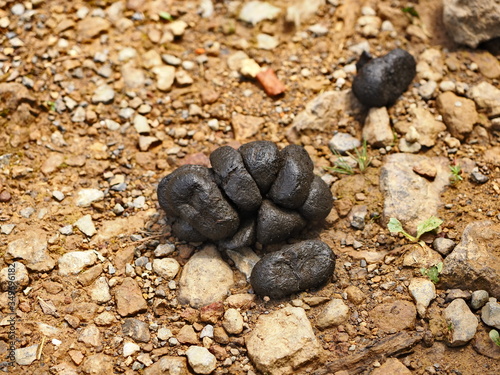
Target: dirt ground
pixel 43 150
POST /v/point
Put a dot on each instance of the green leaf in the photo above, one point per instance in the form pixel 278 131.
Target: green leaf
pixel 411 11
pixel 495 336
pixel 166 16
pixel 395 226
pixel 428 225
pixel 439 266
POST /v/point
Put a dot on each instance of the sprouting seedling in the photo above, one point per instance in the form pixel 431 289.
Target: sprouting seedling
pixel 456 174
pixel 361 158
pixel 433 272
pixel 425 226
pixel 495 336
pixel 166 16
pixel 411 11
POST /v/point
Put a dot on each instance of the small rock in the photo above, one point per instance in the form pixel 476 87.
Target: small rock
pixel 479 299
pixel 233 322
pixel 136 329
pixel 129 299
pixel 130 348
pixel 354 294
pixel 86 225
pixel 99 292
pixel 90 336
pixel 164 77
pixel 27 355
pixel 267 42
pixel 423 292
pixel 91 27
pixel 18 271
pixel 244 259
pixel 86 197
pixel 32 248
pixel 357 217
pixel 103 94
pixel 377 129
pixel 187 335
pixel 490 314
pixel 443 246
pixel 318 29
pixel 343 142
pixel 201 360
pixel 427 90
pixel 463 322
pixel 245 126
pixel 178 27
pixel 146 142
pixel 141 124
pixel 478 177
pixel 183 78
pixel 425 169
pixel 391 317
pixel 459 114
pixel 166 268
pixel 171 60
pixel 487 97
pixel 74 262
pixel 164 250
pixel 334 313
pixel 256 11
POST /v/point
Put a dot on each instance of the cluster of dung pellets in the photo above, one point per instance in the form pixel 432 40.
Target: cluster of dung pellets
pixel 254 194
pixel 257 193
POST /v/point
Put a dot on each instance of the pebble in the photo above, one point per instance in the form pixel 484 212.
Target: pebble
pixel 59 196
pixel 443 246
pixel 490 314
pixel 90 335
pixel 183 78
pixel 86 225
pixel 129 299
pixel 343 142
pixel 377 129
pixel 99 292
pixel 103 94
pixel 27 212
pixel 232 322
pixel 423 292
pixel 66 230
pixel 189 65
pixel 447 86
pixel 141 124
pixel 178 27
pixel 27 355
pixel 201 360
pixel 318 29
pixel 32 248
pixel 478 177
pixel 267 42
pixel 479 299
pixel 86 197
pixel 256 11
pixel 167 268
pixel 427 90
pixel 136 329
pixel 74 262
pixel 164 77
pixel 334 313
pixel 18 9
pixel 171 60
pixel 207 331
pixel 130 348
pixel 463 322
pixel 164 334
pixel 7 228
pixel 20 275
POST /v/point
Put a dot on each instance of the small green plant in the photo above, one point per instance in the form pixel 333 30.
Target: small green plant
pixel 433 272
pixel 50 105
pixel 495 336
pixel 166 16
pixel 425 226
pixel 411 11
pixel 361 158
pixel 456 174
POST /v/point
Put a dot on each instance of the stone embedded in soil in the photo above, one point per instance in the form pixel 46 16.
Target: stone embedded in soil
pixel 420 256
pixel 256 11
pixel 487 97
pixel 490 314
pixel 479 298
pixel 472 265
pixel 244 260
pixel 382 80
pixel 86 225
pixel 377 129
pixel 99 364
pixel 293 268
pixel 168 365
pixel 32 249
pixel 396 316
pixel 201 360
pixel 342 143
pixel 136 329
pixel 443 246
pixel 165 76
pixel 407 196
pixel 463 322
pixel 74 262
pixel 282 341
pixel 103 94
pixel 167 268
pixel 16 269
pixel 234 179
pixel 99 292
pixel 187 335
pixel 471 22
pixel 129 299
pixel 423 292
pixel 27 355
pixel 483 344
pixel 90 336
pixel 91 27
pixel 459 114
pixel 85 197
pixel 391 367
pixel 334 313
pixel 276 224
pixel 205 278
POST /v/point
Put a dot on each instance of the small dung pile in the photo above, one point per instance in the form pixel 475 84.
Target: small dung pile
pixel 255 194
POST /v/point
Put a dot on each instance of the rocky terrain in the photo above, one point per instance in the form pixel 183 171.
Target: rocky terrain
pixel 99 100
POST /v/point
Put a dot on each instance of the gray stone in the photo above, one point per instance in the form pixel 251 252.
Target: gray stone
pixel 74 262
pixel 409 197
pixel 478 177
pixel 343 142
pixel 132 76
pixel 90 335
pixel 256 11
pixel 334 313
pixel 282 342
pixel 490 314
pixel 472 265
pixel 32 248
pixel 86 197
pixel 78 115
pixel 471 22
pixel 7 228
pixel 136 329
pixel 86 225
pixel 103 94
pixel 232 322
pixel 27 212
pixel 205 279
pixel 27 355
pixel 377 130
pixel 201 360
pixel 479 299
pixel 167 268
pixel 423 292
pixel 164 250
pixel 171 60
pixel 207 331
pixel 443 246
pixel 463 322
pixel 357 217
